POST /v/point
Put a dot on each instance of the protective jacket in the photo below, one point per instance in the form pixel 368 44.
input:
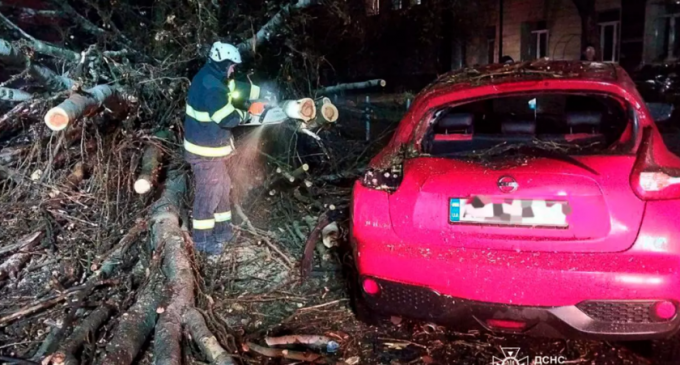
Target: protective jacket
pixel 211 113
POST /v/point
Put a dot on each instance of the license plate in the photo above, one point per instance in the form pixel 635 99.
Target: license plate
pixel 520 212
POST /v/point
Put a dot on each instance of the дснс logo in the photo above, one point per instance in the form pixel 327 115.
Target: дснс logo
pixel 511 357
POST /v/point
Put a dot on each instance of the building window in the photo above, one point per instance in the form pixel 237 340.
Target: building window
pixel 491 44
pixel 671 37
pixel 539 43
pixel 534 42
pixel 610 30
pixel 416 2
pixel 609 41
pixel 372 7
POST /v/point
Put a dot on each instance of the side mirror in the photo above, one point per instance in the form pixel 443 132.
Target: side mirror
pixel 660 112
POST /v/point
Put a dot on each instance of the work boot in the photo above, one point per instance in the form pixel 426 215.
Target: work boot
pixel 209 246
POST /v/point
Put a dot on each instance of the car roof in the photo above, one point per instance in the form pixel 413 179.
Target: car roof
pixel 494 74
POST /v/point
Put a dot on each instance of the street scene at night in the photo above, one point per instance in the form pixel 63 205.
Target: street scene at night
pixel 346 182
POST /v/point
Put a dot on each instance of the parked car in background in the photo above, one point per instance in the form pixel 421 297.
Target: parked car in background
pixel 532 198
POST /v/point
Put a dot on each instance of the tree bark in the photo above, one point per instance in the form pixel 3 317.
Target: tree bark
pixel 79 105
pixel 166 231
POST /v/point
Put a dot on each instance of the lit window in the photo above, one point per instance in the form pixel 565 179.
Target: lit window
pixel 539 43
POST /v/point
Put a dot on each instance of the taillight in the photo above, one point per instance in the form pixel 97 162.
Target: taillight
pixel 383 179
pixel 650 180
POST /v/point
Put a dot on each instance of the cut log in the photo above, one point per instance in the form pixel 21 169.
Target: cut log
pixel 14 95
pixel 14 263
pixel 151 165
pixel 302 109
pixel 66 354
pixel 352 86
pixel 327 111
pixel 79 105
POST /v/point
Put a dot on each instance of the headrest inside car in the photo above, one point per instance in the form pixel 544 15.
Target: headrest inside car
pixel 584 119
pixel 456 121
pixel 521 127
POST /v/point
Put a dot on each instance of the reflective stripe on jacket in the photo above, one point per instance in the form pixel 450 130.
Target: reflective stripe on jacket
pixel 210 114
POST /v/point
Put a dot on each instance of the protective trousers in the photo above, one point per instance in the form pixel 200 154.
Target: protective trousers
pixel 212 214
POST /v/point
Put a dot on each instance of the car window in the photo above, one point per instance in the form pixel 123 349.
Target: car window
pixel 575 124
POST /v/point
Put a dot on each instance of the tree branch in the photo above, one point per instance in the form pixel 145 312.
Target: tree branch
pixel 14 95
pixel 272 25
pixel 40 46
pixel 84 22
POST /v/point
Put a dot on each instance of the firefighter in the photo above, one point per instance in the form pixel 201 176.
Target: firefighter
pixel 211 113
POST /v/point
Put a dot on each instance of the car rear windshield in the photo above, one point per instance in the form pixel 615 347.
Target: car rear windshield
pixel 573 124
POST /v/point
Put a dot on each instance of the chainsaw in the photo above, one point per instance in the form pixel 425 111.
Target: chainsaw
pixel 263 112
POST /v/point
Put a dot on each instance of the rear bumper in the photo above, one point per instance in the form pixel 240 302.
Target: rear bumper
pixel 556 322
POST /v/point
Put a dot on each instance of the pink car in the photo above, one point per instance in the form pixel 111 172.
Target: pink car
pixel 535 198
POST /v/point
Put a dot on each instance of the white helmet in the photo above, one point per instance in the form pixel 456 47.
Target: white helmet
pixel 224 52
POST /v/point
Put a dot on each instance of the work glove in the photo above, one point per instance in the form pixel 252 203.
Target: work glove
pixel 256 108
